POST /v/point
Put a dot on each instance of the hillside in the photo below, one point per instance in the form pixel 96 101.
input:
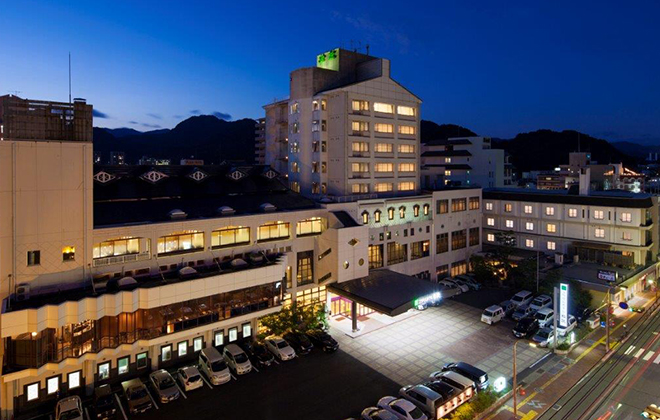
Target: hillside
pixel 205 137
pixel 432 131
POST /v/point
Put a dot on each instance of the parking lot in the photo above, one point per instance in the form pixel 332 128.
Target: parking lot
pixel 408 351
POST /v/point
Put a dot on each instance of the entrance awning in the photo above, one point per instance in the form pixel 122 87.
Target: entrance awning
pixel 385 291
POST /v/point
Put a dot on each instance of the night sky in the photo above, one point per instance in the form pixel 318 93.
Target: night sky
pixel 590 66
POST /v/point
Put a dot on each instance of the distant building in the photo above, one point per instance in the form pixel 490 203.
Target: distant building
pixel 276 136
pixel 464 161
pixel 260 141
pixel 117 158
pixel 97 158
pixel 192 162
pixel 146 160
pixel 353 131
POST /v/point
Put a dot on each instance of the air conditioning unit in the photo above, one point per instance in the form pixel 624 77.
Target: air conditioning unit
pixel 559 258
pixel 576 259
pixel 22 292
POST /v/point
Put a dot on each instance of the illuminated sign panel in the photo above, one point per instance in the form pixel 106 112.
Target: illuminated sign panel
pixel 607 275
pixel 328 60
pixel 563 305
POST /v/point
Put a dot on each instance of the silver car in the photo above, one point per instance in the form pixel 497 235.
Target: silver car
pixel 280 348
pixel 164 386
pixel 237 359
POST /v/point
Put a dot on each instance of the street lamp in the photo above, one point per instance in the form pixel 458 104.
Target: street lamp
pixel 515 378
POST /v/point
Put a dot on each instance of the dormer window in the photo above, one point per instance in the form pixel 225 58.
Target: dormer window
pixel 103 177
pixel 153 176
pixel 197 175
pixel 236 175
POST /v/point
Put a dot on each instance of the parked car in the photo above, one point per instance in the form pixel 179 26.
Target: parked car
pixel 136 395
pixel 544 337
pixel 470 281
pixel 545 317
pixel 450 286
pixel 164 385
pixel 564 331
pixel 236 359
pixel 508 307
pixel 189 378
pixel 299 341
pixel 522 298
pixel 434 403
pixel 582 313
pixel 540 302
pixel 258 354
pixel 492 314
pixel 105 403
pixel 452 396
pixel 460 284
pixel 463 383
pixel 375 413
pixel 526 327
pixel 69 408
pixel 323 340
pixel 477 375
pixel 214 366
pixel 521 312
pixel 401 408
pixel 280 348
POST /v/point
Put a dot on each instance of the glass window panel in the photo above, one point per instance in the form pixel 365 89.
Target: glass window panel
pixel 52 385
pixel 74 380
pixel 182 348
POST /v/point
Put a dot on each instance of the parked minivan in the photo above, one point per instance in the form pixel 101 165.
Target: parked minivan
pixel 214 366
pixel 477 375
pixel 431 401
pixel 521 312
pixel 545 317
pixel 237 359
pixel 465 384
pixel 522 298
pixel 492 314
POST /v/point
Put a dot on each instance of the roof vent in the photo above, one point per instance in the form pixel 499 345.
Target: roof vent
pixel 267 207
pixel 80 100
pixel 226 210
pixel 177 214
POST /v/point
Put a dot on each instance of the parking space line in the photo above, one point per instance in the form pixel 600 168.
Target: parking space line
pixel 205 381
pixel 180 390
pixel 152 399
pixel 121 407
pixel 649 355
pixel 87 414
pixel 255 368
pixel 629 350
pixel 657 360
pixel 276 361
pixel 639 353
pixel 232 375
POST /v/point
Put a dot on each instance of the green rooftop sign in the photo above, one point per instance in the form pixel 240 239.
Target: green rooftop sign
pixel 328 60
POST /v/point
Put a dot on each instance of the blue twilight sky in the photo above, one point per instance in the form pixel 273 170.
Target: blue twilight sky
pixel 496 67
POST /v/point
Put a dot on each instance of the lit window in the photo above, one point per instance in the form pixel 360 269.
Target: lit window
pixel 122 365
pixel 529 243
pixel 247 330
pixel 359 126
pixel 406 167
pixel 406 186
pixel 311 226
pixel 552 246
pixel 273 230
pixel 626 236
pixel 233 334
pixel 73 380
pixel 528 209
pixel 295 108
pixel 549 211
pixel 416 210
pixel 529 226
pixel 166 353
pixel 599 233
pixel 509 224
pixel 390 213
pixel 181 242
pixel 406 148
pixel 626 217
pixel 402 212
pixel 447 160
pixel 198 343
pixel 426 209
pixel 384 167
pixel 377 216
pixel 407 129
pixel 116 247
pixel 599 214
pixel 182 348
pixel 360 167
pixel 360 188
pixel 385 108
pixel 551 227
pixel 490 237
pixel 572 212
pixel 489 206
pixel 218 338
pixel 104 371
pixel 52 385
pixel 360 105
pixel 360 146
pixel 508 207
pixel 490 221
pixel 405 110
pixel 365 217
pixel 141 360
pixel 383 128
pixel 383 187
pixel 32 392
pixel 447 172
pixel 383 148
pixel 69 253
pixel 230 236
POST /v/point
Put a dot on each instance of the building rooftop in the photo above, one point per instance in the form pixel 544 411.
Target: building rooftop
pixel 148 194
pixel 448 153
pixel 611 198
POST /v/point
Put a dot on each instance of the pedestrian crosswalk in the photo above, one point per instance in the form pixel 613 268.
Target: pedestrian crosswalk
pixel 638 354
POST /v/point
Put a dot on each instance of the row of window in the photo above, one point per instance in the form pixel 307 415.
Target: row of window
pixel 457 205
pixel 363 147
pixel 362 106
pixel 459 240
pixel 386 128
pixel 390 213
pixel 457 268
pixel 572 212
pixel 363 167
pixel 552 228
pixel 362 188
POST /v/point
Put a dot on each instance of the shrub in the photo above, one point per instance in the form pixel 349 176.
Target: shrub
pixel 478 404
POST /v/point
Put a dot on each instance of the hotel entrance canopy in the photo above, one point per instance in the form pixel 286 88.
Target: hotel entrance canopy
pixel 385 291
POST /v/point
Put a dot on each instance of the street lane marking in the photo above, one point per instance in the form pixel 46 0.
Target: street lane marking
pixel 657 360
pixel 649 355
pixel 121 407
pixel 630 349
pixel 529 416
pixel 639 353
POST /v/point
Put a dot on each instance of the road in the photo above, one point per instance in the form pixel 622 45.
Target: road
pixel 621 387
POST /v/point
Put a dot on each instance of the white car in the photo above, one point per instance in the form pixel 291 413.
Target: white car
pixel 451 285
pixel 402 409
pixel 522 298
pixel 545 317
pixel 375 413
pixel 460 284
pixel 545 337
pixel 69 408
pixel 572 323
pixel 492 314
pixel 470 281
pixel 189 378
pixel 540 302
pixel 237 359
pixel 280 348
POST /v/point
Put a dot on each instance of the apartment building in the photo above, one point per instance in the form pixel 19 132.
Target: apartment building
pixel 352 130
pixel 260 141
pixel 276 136
pixel 464 161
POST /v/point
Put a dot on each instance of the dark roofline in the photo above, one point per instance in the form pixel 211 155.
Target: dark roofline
pixel 562 197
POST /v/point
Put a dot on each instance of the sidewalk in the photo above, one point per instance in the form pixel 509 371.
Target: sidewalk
pixel 541 386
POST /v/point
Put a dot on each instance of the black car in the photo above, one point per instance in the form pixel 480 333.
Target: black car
pixel 447 391
pixel 477 375
pixel 258 353
pixel 105 404
pixel 323 340
pixel 299 342
pixel 526 327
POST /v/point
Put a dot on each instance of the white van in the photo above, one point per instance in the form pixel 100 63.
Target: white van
pixel 522 298
pixel 545 317
pixel 214 366
pixel 492 314
pixel 237 359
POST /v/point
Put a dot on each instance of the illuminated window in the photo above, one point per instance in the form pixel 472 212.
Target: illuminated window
pixel 294 167
pixel 52 385
pixel 529 243
pixel 407 129
pixel 166 353
pixel 406 167
pixel 375 256
pixel 405 110
pixel 32 391
pixel 180 243
pixel 198 343
pixel 305 268
pixel 447 172
pixel 490 221
pixel 383 128
pixel 182 348
pixel 315 105
pixel 599 233
pixel 599 214
pixel 103 371
pixel 384 167
pixel 360 146
pixel 230 236
pixel 527 209
pixel 365 217
pixel 458 204
pixel 406 186
pixel 377 216
pixel 402 212
pixel 509 224
pixel 141 360
pixel 396 253
pixel 273 230
pixel 233 334
pixel 549 211
pixel 360 126
pixel 218 338
pixel 490 237
pixel 122 365
pixel 383 187
pixel 247 330
pixel 448 160
pixel 360 105
pixel 458 268
pixel 359 167
pixel 474 203
pixel 116 247
pixel 383 148
pixel 489 206
pixel 572 212
pixel 442 206
pixel 626 236
pixel 406 148
pixel 390 213
pixel 551 228
pixel 426 209
pixel 416 210
pixel 295 108
pixel 420 249
pixel 384 108
pixel 311 226
pixel 73 379
pixel 295 128
pixel 508 207
pixel 69 253
pixel 626 217
pixel 529 226
pixel 360 188
pixel 552 246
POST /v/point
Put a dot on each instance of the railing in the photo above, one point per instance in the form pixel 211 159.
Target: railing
pixel 101 262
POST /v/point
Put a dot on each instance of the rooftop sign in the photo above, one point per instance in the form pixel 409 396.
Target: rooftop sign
pixel 609 276
pixel 328 60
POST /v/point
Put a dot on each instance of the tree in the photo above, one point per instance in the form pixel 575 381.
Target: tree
pixel 294 317
pixel 505 246
pixel 523 275
pixel 483 272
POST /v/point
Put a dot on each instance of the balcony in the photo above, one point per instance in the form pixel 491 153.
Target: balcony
pixel 119 259
pixel 360 154
pixel 360 175
pixel 360 133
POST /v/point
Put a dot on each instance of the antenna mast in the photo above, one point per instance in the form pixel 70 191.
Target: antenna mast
pixel 69 77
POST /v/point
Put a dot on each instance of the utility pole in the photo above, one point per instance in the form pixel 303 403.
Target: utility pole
pixel 538 254
pixel 515 382
pixel 554 321
pixel 607 319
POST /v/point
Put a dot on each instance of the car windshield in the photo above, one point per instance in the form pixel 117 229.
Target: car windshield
pixel 105 400
pixel 240 358
pixel 70 415
pixel 525 322
pixel 537 301
pixel 488 313
pixel 138 393
pixel 282 344
pixel 544 334
pixel 167 382
pixel 516 299
pixel 218 366
pixel 416 413
pixel 520 311
pixel 194 378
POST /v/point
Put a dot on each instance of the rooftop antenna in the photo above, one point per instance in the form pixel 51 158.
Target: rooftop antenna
pixel 15 92
pixel 69 77
pixel 367 46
